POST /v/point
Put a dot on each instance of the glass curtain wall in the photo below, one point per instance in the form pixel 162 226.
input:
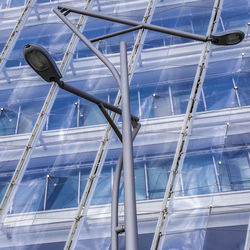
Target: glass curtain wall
pixel 209 208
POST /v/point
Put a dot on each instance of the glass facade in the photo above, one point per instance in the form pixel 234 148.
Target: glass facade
pixel 191 155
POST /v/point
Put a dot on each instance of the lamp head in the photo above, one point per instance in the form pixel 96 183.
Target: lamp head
pixel 227 38
pixel 41 62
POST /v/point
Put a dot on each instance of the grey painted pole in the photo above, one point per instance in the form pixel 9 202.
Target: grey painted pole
pixel 114 203
pixel 115 196
pixel 131 231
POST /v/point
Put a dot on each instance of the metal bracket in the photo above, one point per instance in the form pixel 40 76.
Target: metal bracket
pixel 120 229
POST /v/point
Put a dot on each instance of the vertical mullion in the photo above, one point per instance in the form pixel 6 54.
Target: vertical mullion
pixel 171 99
pixel 109 101
pixel 216 174
pixel 18 119
pixel 146 180
pixel 236 91
pixel 46 192
pixel 139 103
pixel 112 177
pixel 78 112
pixel 222 24
pixel 204 99
pixel 181 183
pixel 47 123
pixel 79 187
pixel 247 241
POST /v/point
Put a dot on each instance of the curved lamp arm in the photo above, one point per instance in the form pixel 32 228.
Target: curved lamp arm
pixel 104 59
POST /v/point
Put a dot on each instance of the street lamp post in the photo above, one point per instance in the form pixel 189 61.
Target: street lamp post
pixel 44 65
pixel 46 72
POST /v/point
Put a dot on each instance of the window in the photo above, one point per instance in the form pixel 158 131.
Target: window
pixel 197 175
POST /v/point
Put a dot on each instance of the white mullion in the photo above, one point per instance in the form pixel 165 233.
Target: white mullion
pixel 204 99
pixel 222 24
pixel 79 187
pixel 46 192
pixel 236 91
pixel 146 180
pixel 171 99
pixel 139 103
pixel 216 174
pixel 78 112
pixel 18 119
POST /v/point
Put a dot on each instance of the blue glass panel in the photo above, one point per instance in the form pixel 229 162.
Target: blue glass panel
pixel 47 246
pixel 158 173
pixel 6 171
pixel 197 175
pixel 64 112
pixel 102 193
pixel 234 16
pixel 155 101
pixel 54 178
pixel 234 170
pixel 84 178
pixel 192 239
pixel 16 3
pixel 30 194
pixel 181 93
pixel 244 89
pixel 144 241
pixel 8 121
pixel 4 182
pixel 70 111
pixel 230 238
pixel 140 186
pixel 219 93
pixel 62 189
pixel 5 33
pixel 134 103
pixel 20 107
pixel 29 112
pixel 147 102
pixel 44 1
pixel 157 94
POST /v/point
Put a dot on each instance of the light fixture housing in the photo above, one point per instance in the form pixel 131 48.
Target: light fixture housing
pixel 227 38
pixel 41 62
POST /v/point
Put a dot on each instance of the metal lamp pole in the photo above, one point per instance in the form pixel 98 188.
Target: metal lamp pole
pixel 41 61
pixel 131 231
